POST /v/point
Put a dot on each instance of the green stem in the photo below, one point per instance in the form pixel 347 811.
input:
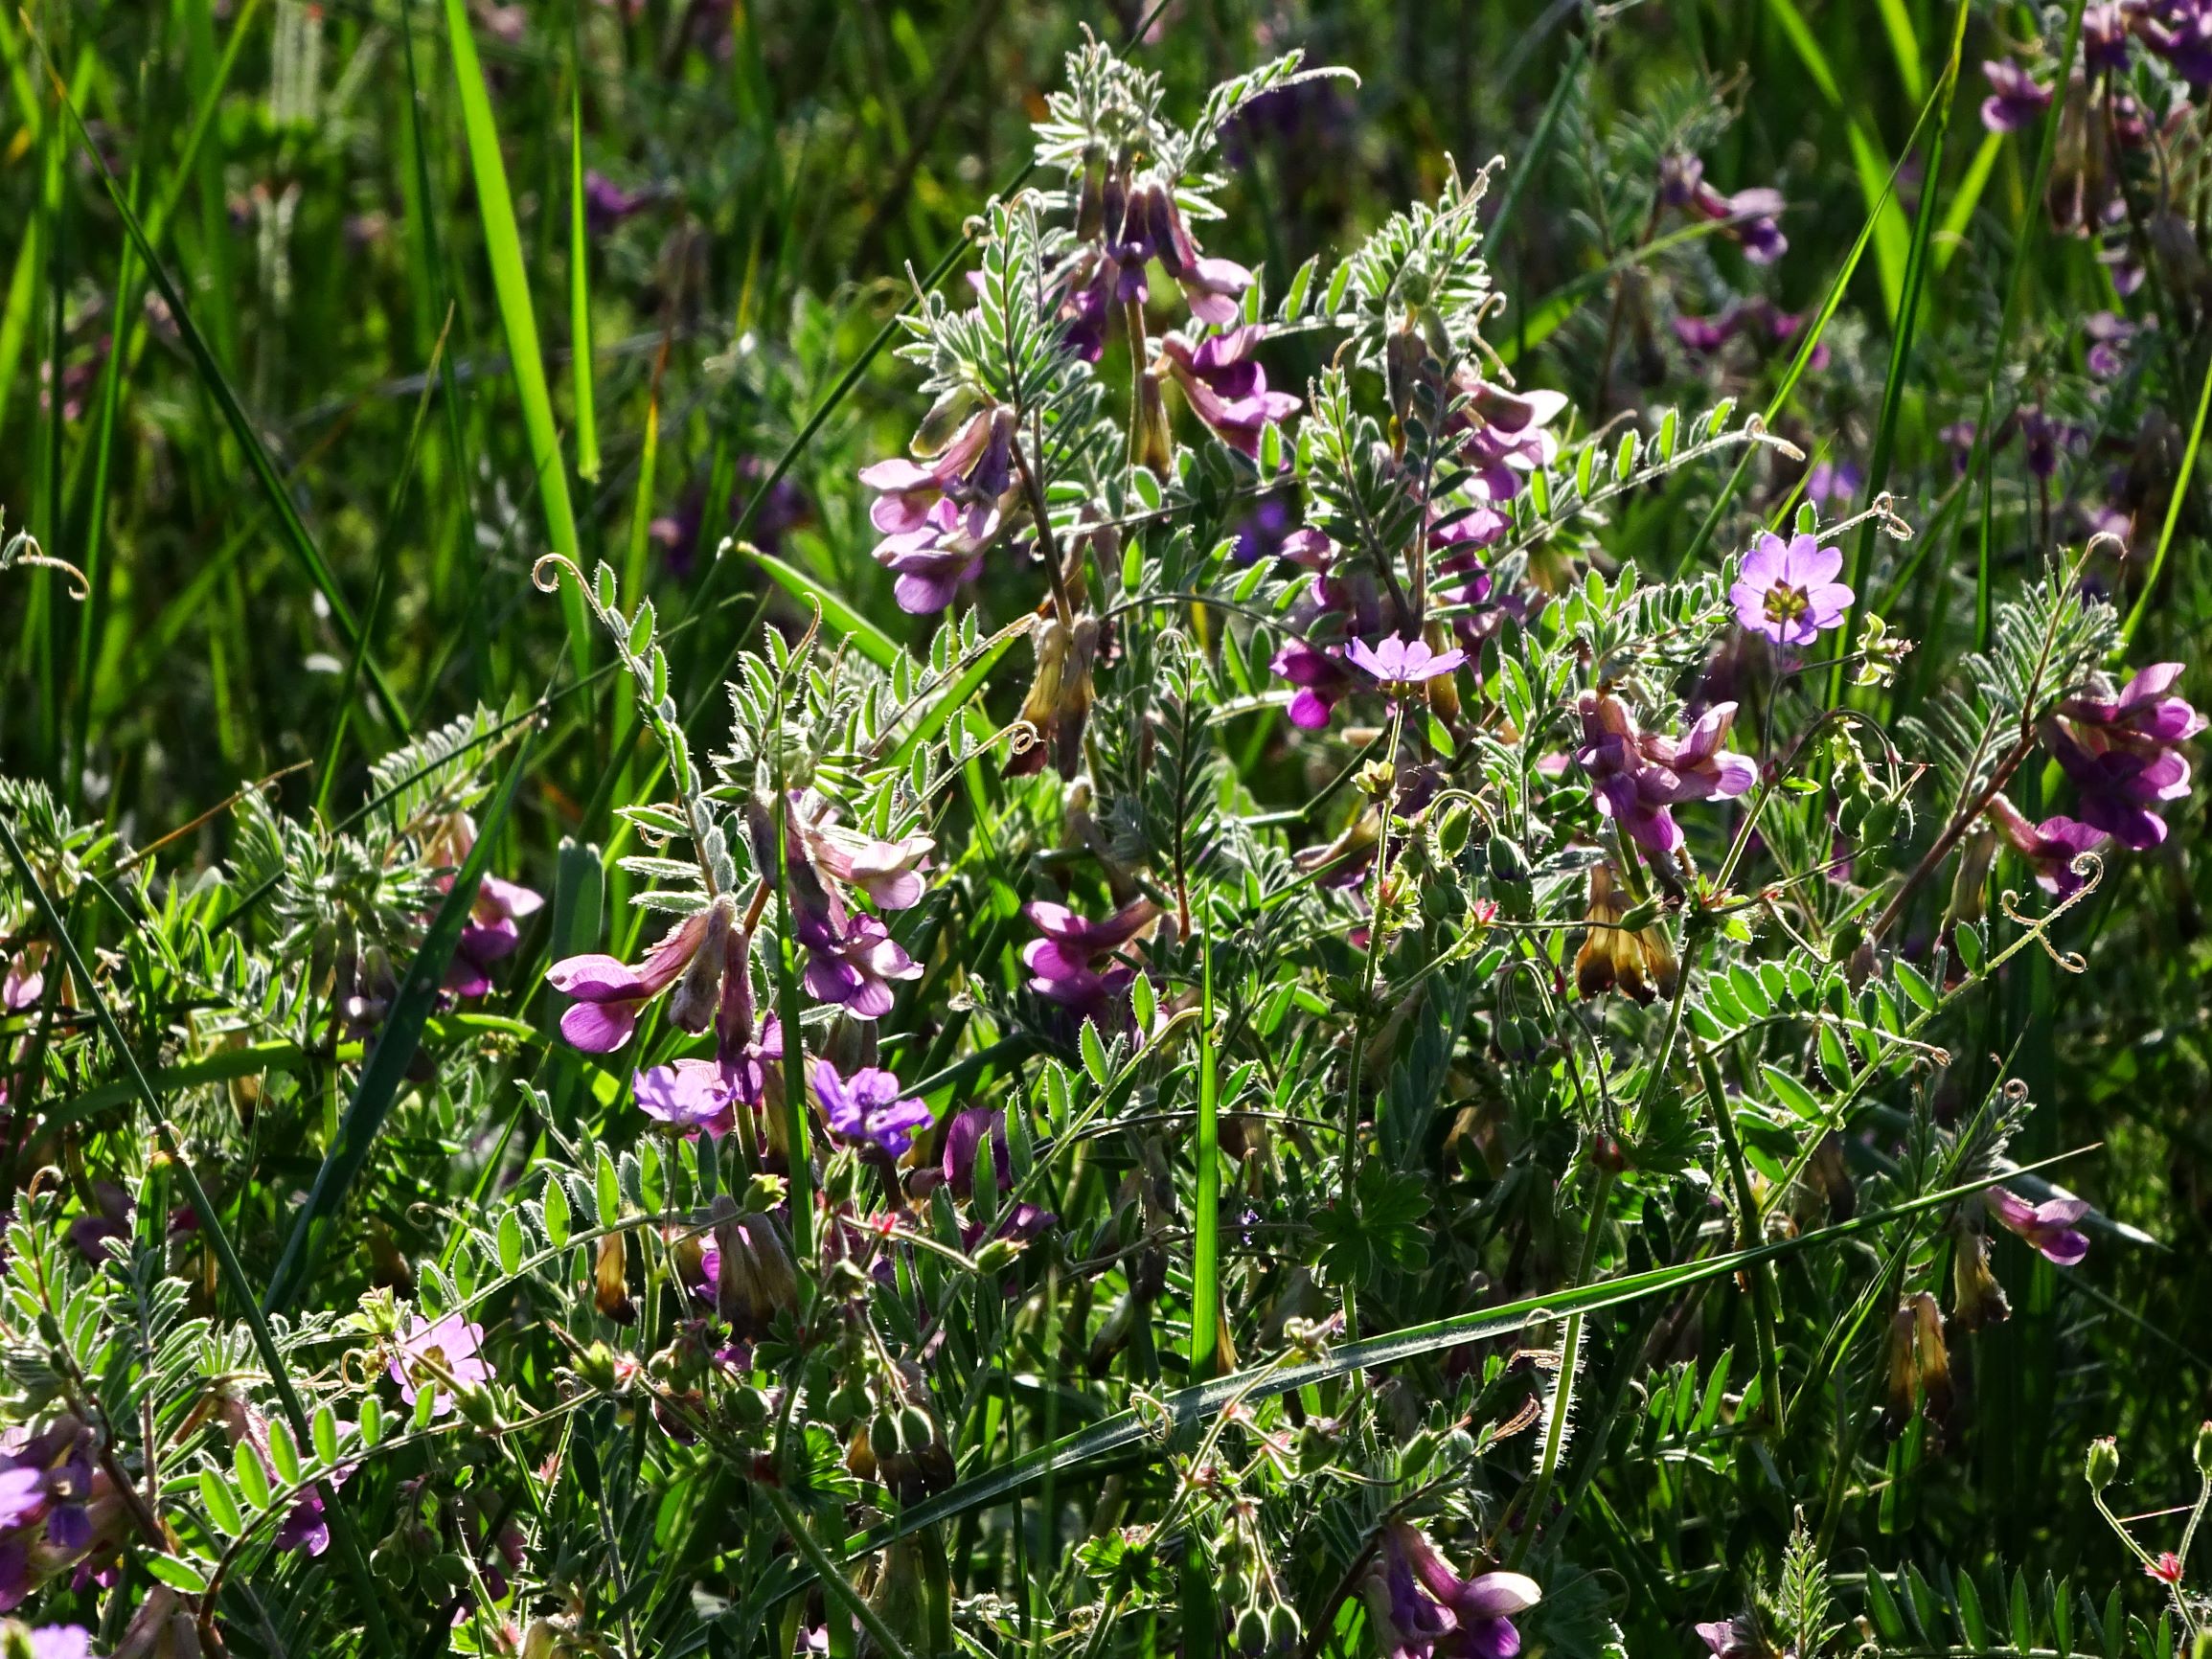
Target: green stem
pixel 1765 1314
pixel 839 1587
pixel 1563 1398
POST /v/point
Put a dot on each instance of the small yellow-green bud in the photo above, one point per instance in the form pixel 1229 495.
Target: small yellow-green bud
pixel 2104 1463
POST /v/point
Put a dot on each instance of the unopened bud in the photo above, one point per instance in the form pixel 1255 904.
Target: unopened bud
pixel 1251 1633
pixel 595 1365
pixel 997 1255
pixel 2104 1463
pixel 2203 1448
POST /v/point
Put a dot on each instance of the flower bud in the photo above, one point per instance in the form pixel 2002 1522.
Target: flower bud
pixel 2102 1463
pixel 595 1365
pixel 2203 1448
pixel 698 992
pixel 883 1437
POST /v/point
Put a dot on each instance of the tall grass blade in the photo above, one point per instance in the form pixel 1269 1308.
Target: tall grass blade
pixel 2031 222
pixel 511 287
pixel 580 365
pixel 1900 348
pixel 2182 479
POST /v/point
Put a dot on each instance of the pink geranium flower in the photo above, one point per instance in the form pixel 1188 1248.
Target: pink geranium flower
pixel 1788 590
pixel 1402 663
pixel 435 1352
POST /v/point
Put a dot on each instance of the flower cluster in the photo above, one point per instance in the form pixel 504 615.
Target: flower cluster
pixel 2121 752
pixel 940 515
pixel 1639 777
pixel 1423 1610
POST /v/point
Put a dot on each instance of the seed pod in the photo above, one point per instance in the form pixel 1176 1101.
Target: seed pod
pixel 610 1279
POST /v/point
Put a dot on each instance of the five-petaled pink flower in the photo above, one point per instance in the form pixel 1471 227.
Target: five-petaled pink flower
pixel 2050 1226
pixel 1788 590
pixel 437 1354
pixel 2166 1569
pixel 1404 662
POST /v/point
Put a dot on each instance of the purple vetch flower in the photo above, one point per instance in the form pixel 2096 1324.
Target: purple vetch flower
pixel 1835 483
pixel 494 927
pixel 1740 1638
pixel 2182 33
pixel 2043 437
pixel 2122 789
pixel 867 1111
pixel 1788 590
pixel 850 961
pixel 2143 712
pixel 1226 386
pixel 1706 335
pixel 438 1353
pixel 1637 777
pixel 305 1526
pixel 850 955
pixel 607 994
pixel 1152 227
pixel 2015 100
pixel 2119 750
pixel 1067 964
pixel 1401 664
pixel 2105 34
pixel 888 872
pixel 2049 848
pixel 607 204
pixel 1750 217
pixel 938 519
pixel 965 1137
pixel 1425 1610
pixel 974 471
pixel 1506 433
pixel 2048 1226
pixel 1265 530
pixel 2108 334
pixel 1321 678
